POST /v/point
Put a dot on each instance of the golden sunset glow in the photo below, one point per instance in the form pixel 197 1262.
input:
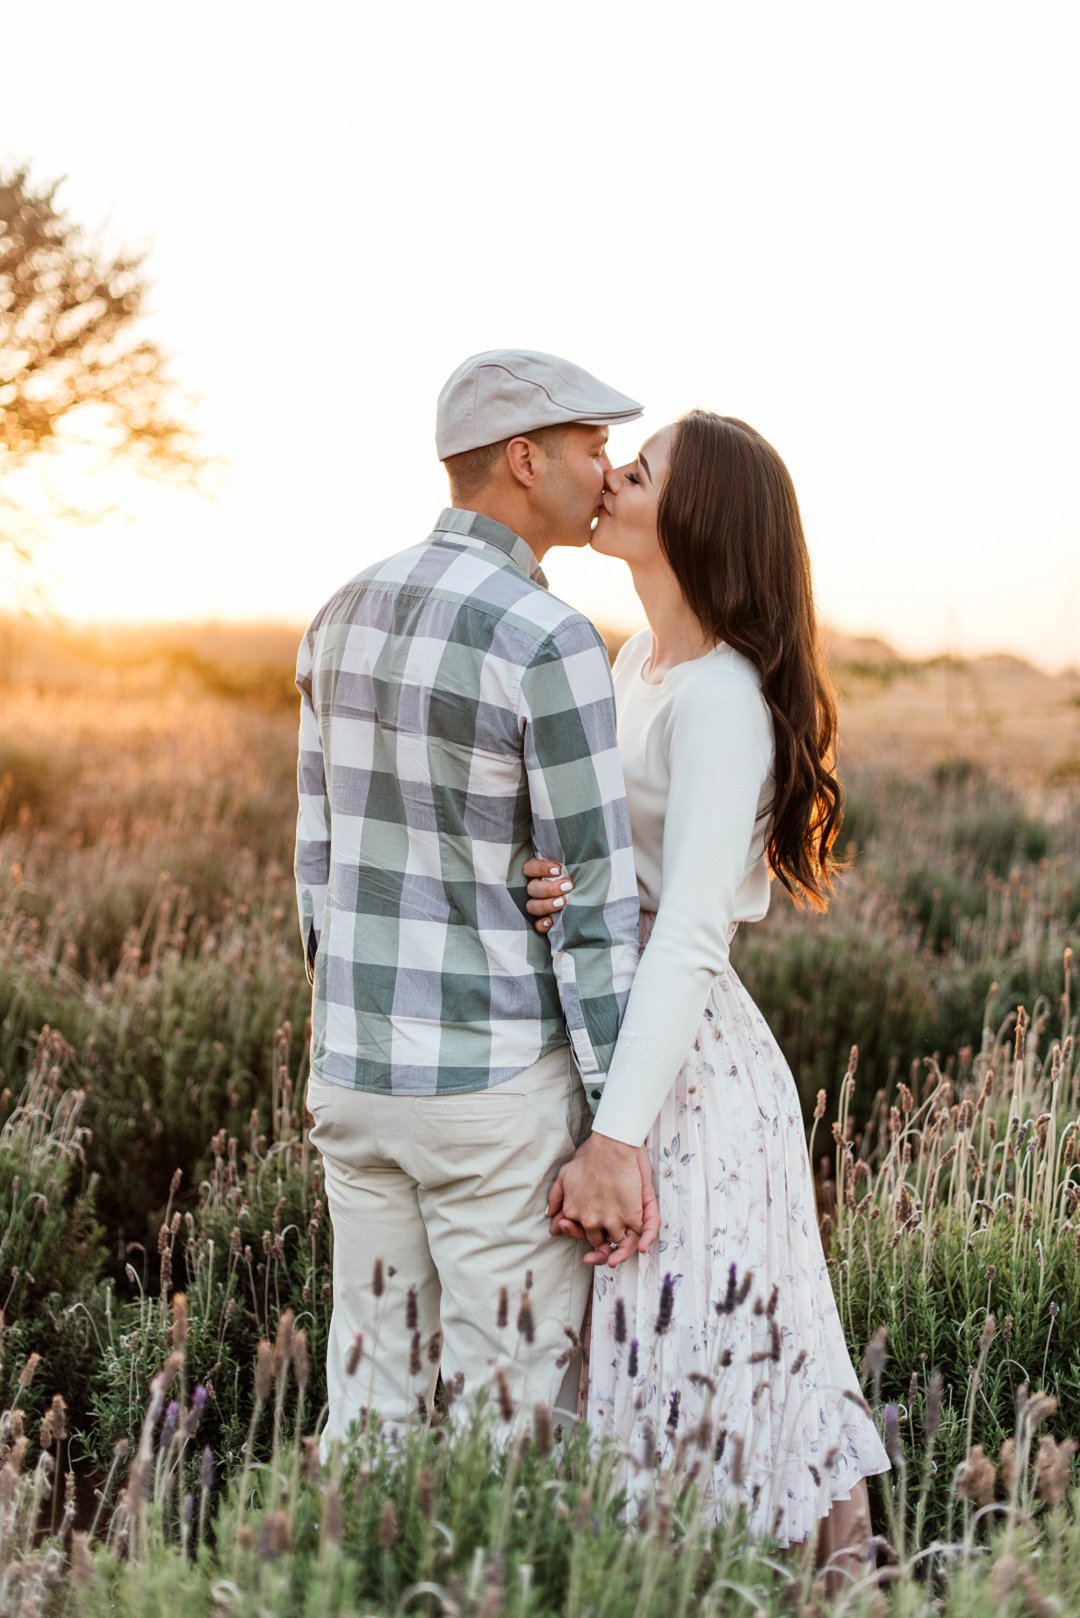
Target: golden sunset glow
pixel 819 224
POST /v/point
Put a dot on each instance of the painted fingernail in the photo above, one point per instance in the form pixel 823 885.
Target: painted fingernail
pixel 566 887
pixel 558 903
pixel 555 870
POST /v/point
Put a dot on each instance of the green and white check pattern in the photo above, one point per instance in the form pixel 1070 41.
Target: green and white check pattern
pixel 455 718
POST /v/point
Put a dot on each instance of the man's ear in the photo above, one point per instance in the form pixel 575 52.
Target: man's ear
pixel 523 457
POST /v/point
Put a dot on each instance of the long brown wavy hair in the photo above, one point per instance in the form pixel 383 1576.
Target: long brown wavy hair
pixel 730 528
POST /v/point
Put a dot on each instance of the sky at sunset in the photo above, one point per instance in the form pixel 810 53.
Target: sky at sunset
pixel 851 225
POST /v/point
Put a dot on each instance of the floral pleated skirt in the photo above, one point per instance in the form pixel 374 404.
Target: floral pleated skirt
pixel 720 1353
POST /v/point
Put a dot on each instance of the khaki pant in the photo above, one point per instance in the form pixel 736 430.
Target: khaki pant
pixel 449 1192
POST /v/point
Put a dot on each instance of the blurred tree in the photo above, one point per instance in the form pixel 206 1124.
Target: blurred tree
pixel 75 364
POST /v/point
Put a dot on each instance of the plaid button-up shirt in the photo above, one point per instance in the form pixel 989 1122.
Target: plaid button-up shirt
pixel 456 717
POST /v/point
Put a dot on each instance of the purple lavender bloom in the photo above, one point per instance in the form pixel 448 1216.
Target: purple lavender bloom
pixel 206 1470
pixel 726 1304
pixel 198 1401
pixel 172 1416
pixel 667 1304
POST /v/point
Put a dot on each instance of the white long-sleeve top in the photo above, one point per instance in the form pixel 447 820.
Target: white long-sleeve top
pixel 697 753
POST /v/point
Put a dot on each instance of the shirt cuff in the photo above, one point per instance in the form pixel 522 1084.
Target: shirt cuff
pixel 592 1080
pixel 594 1092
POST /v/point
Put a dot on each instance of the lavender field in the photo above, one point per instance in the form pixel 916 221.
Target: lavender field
pixel 165 1251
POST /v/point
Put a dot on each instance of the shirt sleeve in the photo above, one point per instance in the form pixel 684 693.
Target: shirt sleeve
pixel 720 746
pixel 312 864
pixel 580 818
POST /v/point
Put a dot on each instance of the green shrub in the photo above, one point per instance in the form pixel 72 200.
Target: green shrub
pixel 938 902
pixel 50 1240
pixel 956 1232
pixel 824 986
pixel 862 819
pixel 994 839
pixel 961 775
pixel 257 1244
pixel 174 1044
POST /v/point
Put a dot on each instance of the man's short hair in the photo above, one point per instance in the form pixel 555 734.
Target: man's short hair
pixel 470 472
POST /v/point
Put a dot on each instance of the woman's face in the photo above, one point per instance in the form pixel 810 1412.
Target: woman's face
pixel 626 526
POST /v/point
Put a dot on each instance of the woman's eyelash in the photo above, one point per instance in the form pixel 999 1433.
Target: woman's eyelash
pixel 632 478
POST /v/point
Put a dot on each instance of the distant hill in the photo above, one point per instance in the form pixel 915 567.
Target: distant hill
pixel 858 648
pixel 29 641
pixel 997 708
pixel 847 651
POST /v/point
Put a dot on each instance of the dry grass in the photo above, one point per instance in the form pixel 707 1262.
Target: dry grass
pixel 998 711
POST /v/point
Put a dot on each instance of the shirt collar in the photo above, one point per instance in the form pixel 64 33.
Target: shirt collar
pixel 455 521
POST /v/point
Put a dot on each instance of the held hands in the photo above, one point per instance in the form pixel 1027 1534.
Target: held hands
pixel 605 1194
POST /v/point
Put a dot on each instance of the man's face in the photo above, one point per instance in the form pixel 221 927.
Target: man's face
pixel 570 495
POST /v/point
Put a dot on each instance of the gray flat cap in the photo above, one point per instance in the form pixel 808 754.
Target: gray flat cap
pixel 508 391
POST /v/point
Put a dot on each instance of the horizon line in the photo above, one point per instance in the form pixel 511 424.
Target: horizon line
pixel 60 622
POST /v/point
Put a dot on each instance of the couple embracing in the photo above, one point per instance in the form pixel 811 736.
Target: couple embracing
pixel 533 1068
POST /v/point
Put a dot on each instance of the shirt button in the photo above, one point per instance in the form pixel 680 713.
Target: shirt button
pixel 595 1094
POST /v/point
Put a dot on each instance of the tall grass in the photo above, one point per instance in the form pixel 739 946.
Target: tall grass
pixel 953 1241
pixel 955 1234
pixel 165 1226
pixel 470 1515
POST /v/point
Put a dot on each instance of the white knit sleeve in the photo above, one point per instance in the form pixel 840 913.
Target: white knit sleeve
pixel 719 744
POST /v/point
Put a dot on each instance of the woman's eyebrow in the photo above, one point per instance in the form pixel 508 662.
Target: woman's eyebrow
pixel 645 464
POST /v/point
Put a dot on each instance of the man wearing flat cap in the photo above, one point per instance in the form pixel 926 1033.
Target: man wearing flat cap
pixel 456 719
